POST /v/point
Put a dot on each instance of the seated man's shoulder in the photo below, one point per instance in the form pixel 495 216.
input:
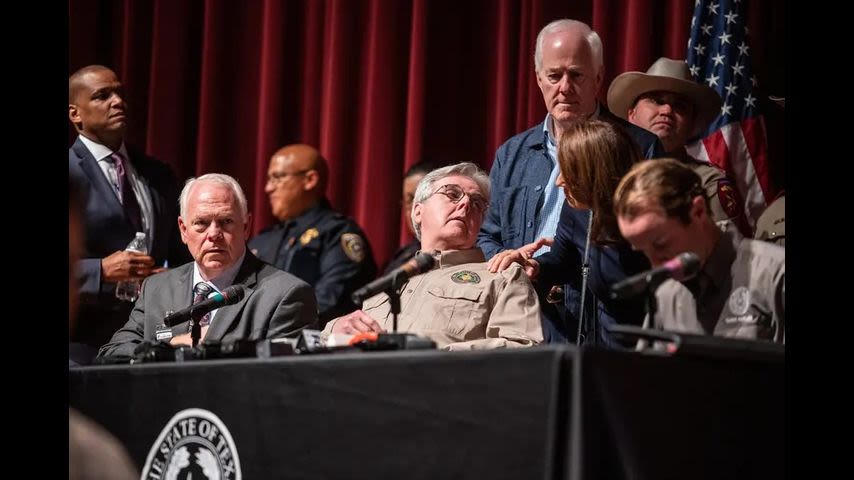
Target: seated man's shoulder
pixel 266 234
pixel 336 222
pixel 339 230
pixel 275 277
pixel 167 278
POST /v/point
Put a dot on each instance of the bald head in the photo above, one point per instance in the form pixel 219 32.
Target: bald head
pixel 302 157
pixel 296 180
pixel 76 83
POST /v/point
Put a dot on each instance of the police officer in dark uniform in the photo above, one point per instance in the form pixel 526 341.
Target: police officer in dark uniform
pixel 311 240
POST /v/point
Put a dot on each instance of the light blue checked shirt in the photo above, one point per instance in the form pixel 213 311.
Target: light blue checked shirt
pixel 553 197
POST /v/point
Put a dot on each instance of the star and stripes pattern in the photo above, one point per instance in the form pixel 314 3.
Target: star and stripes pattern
pixel 719 56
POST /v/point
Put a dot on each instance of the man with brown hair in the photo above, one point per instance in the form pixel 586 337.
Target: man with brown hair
pixel 740 290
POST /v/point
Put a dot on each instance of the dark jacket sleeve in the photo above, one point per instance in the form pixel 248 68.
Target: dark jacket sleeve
pixel 562 264
pixel 125 340
pixel 340 275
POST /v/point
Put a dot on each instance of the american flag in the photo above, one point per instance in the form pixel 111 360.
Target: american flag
pixel 719 56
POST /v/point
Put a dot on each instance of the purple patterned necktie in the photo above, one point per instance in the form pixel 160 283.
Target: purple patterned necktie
pixel 128 198
pixel 201 292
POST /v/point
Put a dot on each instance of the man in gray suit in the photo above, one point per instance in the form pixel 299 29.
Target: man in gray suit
pixel 214 224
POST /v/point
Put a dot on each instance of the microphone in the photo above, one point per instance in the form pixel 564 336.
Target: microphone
pixel 417 265
pixel 681 267
pixel 229 296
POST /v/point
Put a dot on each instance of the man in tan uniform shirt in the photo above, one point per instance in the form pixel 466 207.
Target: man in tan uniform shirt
pixel 459 304
pixel 669 103
pixel 740 289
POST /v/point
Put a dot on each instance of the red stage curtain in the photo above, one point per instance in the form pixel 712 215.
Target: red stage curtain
pixel 218 86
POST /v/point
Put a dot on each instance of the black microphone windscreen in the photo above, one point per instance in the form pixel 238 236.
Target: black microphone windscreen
pixel 425 261
pixel 234 294
pixel 690 265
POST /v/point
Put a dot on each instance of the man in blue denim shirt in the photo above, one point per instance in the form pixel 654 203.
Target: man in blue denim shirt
pixel 526 205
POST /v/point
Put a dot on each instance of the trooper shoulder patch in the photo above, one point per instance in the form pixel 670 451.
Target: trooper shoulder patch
pixel 353 246
pixel 465 276
pixel 728 197
pixel 308 235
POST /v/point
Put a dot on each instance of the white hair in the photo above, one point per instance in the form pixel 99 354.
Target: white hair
pixel 425 186
pixel 218 178
pixel 562 25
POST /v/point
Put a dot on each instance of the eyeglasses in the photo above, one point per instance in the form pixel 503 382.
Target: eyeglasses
pixel 455 194
pixel 277 178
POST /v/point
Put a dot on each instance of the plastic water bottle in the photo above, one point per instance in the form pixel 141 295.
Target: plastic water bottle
pixel 129 289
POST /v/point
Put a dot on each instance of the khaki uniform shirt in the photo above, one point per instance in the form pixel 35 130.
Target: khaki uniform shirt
pixel 771 225
pixel 462 306
pixel 739 293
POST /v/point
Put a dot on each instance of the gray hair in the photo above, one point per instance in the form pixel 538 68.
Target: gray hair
pixel 218 178
pixel 425 186
pixel 562 25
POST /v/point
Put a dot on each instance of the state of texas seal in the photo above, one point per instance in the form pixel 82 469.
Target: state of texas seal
pixel 193 444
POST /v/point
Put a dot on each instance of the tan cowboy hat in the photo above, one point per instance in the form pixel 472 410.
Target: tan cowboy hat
pixel 666 75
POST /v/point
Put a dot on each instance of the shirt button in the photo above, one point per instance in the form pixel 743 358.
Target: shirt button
pixel 530 224
pixel 538 188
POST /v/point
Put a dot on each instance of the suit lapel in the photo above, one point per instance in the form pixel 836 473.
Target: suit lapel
pixel 228 315
pixel 96 177
pixel 180 297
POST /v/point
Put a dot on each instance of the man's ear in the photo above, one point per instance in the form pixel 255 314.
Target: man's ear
pixel 698 209
pixel 182 227
pixel 416 212
pixel 73 114
pixel 247 227
pixel 312 179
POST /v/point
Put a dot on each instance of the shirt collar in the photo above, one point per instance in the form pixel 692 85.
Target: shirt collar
pixel 450 258
pixel 224 280
pixel 101 152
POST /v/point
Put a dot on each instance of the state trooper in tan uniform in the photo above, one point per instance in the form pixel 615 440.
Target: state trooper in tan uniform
pixel 668 102
pixel 740 290
pixel 459 304
pixel 771 225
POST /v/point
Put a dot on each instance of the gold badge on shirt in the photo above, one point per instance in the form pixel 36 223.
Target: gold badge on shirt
pixel 465 276
pixel 353 246
pixel 308 236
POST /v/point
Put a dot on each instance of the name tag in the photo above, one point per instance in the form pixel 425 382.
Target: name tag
pixel 163 332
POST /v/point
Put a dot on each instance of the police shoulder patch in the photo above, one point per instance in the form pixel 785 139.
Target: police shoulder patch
pixel 465 276
pixel 354 246
pixel 728 197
